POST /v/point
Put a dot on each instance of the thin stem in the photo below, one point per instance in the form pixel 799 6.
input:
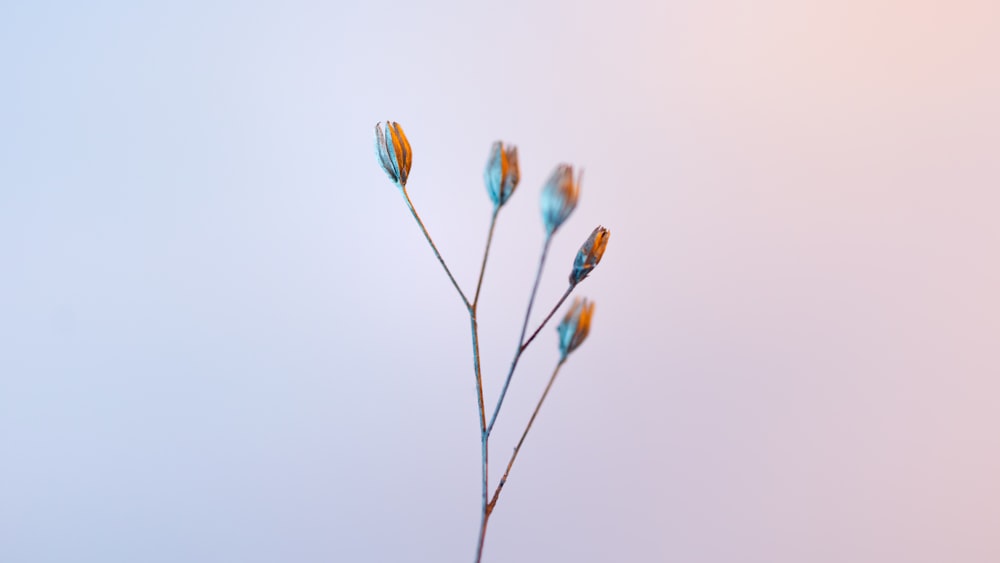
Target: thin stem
pixel 482 431
pixel 485 518
pixel 484 439
pixel 534 288
pixel 471 307
pixel 549 316
pixel 486 253
pixel 427 235
pixel 478 370
pixel 524 329
pixel 506 473
pixel 520 350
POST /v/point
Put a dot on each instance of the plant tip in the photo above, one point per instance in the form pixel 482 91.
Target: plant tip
pixel 502 172
pixel 393 151
pixel 589 254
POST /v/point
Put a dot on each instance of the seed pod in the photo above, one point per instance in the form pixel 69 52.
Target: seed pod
pixel 589 255
pixel 393 151
pixel 502 173
pixel 559 197
pixel 575 326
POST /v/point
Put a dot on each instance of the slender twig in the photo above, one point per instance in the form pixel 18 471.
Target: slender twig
pixel 483 436
pixel 524 329
pixel 482 432
pixel 506 473
pixel 427 235
pixel 486 254
pixel 534 288
pixel 471 308
pixel 548 317
pixel 520 350
pixel 478 370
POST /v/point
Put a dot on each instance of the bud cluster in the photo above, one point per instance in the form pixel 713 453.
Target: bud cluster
pixel 559 198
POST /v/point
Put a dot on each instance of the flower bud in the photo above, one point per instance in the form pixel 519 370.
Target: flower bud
pixel 589 255
pixel 393 151
pixel 575 326
pixel 559 197
pixel 502 173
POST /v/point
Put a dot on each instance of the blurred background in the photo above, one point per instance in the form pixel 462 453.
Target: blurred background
pixel 223 338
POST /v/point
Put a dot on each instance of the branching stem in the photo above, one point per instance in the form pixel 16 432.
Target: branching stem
pixel 482 433
pixel 483 436
pixel 548 317
pixel 471 307
pixel 517 449
pixel 520 350
pixel 524 329
pixel 474 326
pixel 427 235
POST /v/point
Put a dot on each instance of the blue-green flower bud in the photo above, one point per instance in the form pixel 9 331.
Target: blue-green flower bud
pixel 589 255
pixel 393 151
pixel 575 326
pixel 502 173
pixel 559 197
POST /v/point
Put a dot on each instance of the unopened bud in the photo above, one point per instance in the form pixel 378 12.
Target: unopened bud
pixel 393 151
pixel 589 255
pixel 502 173
pixel 575 326
pixel 559 197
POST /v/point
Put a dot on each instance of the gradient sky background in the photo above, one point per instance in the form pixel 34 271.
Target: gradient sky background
pixel 222 337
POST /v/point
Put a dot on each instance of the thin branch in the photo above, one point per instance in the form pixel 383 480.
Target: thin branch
pixel 534 288
pixel 486 253
pixel 427 235
pixel 524 329
pixel 517 356
pixel 484 438
pixel 549 316
pixel 471 308
pixel 506 473
pixel 485 518
pixel 484 443
pixel 478 370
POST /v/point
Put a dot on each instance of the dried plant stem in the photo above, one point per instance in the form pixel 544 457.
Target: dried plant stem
pixel 559 198
pixel 521 347
pixel 534 288
pixel 524 329
pixel 427 235
pixel 506 473
pixel 471 307
pixel 482 432
pixel 474 326
pixel 548 317
pixel 520 350
pixel 486 254
pixel 484 437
